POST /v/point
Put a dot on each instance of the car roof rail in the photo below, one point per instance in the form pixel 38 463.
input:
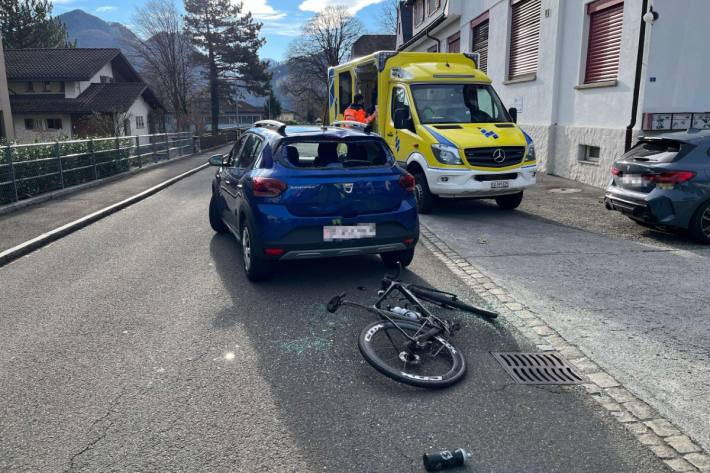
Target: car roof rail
pixel 364 127
pixel 275 125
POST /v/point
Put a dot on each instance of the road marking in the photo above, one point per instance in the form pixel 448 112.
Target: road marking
pixel 44 239
pixel 640 419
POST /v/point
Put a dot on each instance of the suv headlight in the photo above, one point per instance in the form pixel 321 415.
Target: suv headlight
pixel 531 152
pixel 446 154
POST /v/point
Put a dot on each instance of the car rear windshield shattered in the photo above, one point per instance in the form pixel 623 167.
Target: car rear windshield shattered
pixel 334 154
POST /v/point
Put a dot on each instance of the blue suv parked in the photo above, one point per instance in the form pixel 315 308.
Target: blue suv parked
pixel 290 193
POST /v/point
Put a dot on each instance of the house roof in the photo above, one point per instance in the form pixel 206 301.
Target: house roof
pixel 370 43
pixel 61 64
pixel 100 98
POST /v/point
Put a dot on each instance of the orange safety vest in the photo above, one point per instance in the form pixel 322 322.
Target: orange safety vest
pixel 356 113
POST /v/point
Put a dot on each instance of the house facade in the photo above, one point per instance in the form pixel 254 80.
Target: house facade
pixel 233 114
pixel 6 129
pixel 70 93
pixel 587 76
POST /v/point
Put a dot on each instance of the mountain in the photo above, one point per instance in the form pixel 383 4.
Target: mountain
pixel 90 31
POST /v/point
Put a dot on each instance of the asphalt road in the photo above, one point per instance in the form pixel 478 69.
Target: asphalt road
pixel 136 344
pixel 634 299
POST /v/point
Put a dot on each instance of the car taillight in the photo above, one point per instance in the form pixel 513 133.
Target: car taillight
pixel 274 252
pixel 670 177
pixel 407 182
pixel 267 187
pixel 615 171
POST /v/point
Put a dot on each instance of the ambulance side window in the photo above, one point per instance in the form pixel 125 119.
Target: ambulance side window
pixel 345 90
pixel 399 100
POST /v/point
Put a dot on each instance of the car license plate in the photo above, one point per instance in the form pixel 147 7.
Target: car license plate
pixel 348 232
pixel 499 184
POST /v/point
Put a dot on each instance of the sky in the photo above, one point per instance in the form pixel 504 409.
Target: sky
pixel 282 19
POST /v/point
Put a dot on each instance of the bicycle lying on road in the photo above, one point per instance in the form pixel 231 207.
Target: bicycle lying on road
pixel 410 344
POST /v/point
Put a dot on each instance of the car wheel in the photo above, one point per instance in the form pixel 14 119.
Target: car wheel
pixel 700 224
pixel 425 199
pixel 216 216
pixel 392 258
pixel 509 202
pixel 255 267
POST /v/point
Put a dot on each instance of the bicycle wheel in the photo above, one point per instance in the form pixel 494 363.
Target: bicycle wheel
pixel 437 365
pixel 445 299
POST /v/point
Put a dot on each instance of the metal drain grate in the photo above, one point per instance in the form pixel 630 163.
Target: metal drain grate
pixel 538 368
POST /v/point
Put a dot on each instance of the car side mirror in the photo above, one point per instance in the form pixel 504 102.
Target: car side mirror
pixel 402 119
pixel 217 160
pixel 513 112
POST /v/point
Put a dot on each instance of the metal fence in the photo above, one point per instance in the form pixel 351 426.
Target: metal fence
pixel 28 170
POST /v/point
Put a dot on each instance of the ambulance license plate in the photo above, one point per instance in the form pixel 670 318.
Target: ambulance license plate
pixel 499 184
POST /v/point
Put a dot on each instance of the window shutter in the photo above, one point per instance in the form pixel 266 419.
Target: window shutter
pixel 604 45
pixel 479 40
pixel 454 43
pixel 524 38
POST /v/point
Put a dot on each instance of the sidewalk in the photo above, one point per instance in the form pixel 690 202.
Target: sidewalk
pixel 24 224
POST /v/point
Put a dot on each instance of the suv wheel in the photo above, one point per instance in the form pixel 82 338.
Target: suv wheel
pixel 392 258
pixel 255 267
pixel 216 216
pixel 509 202
pixel 700 224
pixel 425 199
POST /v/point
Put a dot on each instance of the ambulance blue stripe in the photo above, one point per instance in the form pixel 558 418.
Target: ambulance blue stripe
pixel 440 138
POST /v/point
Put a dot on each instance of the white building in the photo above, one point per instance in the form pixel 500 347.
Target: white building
pixel 587 77
pixel 65 93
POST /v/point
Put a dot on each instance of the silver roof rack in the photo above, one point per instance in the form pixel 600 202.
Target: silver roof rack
pixel 364 127
pixel 277 126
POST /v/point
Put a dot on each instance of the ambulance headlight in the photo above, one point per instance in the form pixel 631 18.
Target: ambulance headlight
pixel 446 154
pixel 531 152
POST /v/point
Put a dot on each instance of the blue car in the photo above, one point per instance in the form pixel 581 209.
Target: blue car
pixel 289 193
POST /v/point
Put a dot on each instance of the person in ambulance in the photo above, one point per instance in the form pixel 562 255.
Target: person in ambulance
pixel 356 111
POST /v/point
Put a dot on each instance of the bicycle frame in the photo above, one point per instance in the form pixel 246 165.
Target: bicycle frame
pixel 438 325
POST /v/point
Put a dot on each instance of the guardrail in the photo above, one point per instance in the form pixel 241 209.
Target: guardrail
pixel 28 170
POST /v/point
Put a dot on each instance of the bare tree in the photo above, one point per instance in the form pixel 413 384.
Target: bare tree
pixel 326 41
pixel 167 54
pixel 107 124
pixel 388 16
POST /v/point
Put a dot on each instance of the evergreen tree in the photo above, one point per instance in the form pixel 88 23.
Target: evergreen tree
pixel 229 40
pixel 29 24
pixel 272 106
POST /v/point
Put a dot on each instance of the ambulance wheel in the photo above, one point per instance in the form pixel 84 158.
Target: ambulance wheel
pixel 509 202
pixel 425 199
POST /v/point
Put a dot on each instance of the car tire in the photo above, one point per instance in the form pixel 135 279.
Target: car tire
pixel 509 202
pixel 256 268
pixel 425 199
pixel 216 216
pixel 392 258
pixel 700 224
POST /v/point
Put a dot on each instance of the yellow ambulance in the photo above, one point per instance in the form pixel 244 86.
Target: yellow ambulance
pixel 444 123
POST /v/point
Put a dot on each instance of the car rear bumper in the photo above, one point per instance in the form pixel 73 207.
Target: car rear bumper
pixel 651 208
pixel 351 251
pixel 449 183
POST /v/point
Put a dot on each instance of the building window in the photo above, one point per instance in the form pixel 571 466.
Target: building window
pixel 418 12
pixel 433 5
pixel 606 18
pixel 589 154
pixel 345 90
pixel 29 87
pixel 29 124
pixel 54 123
pixel 106 79
pixel 454 43
pixel 139 122
pixel 524 39
pixel 434 48
pixel 47 87
pixel 479 40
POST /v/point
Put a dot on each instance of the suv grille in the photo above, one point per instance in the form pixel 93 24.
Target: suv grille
pixel 495 157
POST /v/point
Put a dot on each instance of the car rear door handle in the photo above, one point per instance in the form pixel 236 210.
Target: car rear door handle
pixel 390 134
pixel 228 182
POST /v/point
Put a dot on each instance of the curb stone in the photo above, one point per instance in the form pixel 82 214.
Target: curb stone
pixel 661 437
